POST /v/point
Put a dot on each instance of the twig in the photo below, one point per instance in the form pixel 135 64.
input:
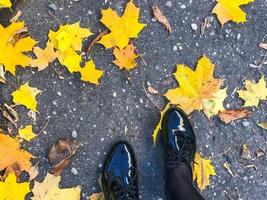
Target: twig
pixel 54 17
pixel 238 193
pixel 48 118
pixel 152 101
pixel 97 38
pixel 226 193
pixel 220 154
pixel 141 56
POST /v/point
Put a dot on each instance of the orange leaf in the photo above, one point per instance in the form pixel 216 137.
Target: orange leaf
pixel 228 116
pixel 11 154
pixel 125 58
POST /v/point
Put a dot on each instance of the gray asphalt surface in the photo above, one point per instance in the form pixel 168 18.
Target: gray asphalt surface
pixel 119 109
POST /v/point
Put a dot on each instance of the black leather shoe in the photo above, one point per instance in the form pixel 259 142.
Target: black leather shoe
pixel 179 139
pixel 119 176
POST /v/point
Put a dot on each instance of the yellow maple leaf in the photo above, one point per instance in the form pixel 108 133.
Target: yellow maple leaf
pixel 49 190
pixel 158 127
pixel 11 190
pixel 194 86
pixel 43 56
pixel 5 4
pixel 67 41
pixel 25 96
pixel 227 10
pixel 90 74
pixel 26 133
pixel 254 92
pixel 71 59
pixel 11 154
pixel 125 58
pixel 121 28
pixel 203 169
pixel 214 105
pixel 12 50
pixel 69 36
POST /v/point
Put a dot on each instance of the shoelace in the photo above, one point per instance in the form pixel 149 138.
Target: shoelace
pixel 176 158
pixel 128 193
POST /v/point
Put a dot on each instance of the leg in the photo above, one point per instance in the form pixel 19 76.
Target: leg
pixel 179 153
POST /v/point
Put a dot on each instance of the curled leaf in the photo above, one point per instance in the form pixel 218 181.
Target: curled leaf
pixel 60 154
pixel 161 18
pixel 228 116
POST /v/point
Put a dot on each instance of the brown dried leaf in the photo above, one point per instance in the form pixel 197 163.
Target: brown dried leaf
pixel 2 74
pixel 263 45
pixel 260 153
pixel 246 152
pixel 161 18
pixel 227 166
pixel 10 114
pixel 16 17
pixel 228 116
pixel 60 154
pixel 34 171
pixel 152 90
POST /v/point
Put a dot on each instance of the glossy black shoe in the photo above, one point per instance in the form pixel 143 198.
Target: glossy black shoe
pixel 179 139
pixel 119 176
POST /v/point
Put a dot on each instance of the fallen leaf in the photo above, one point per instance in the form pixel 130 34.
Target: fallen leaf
pixel 125 58
pixel 25 96
pixel 10 114
pixel 12 51
pixel 254 92
pixel 26 133
pixel 230 10
pixel 263 45
pixel 227 166
pixel 2 74
pixel 68 41
pixel 69 36
pixel 5 4
pixel 16 17
pixel 34 171
pixel 90 74
pixel 121 28
pixel 97 196
pixel 49 190
pixel 246 152
pixel 161 18
pixel 60 154
pixel 152 90
pixel 262 125
pixel 11 190
pixel 260 153
pixel 203 169
pixel 228 116
pixel 43 56
pixel 194 86
pixel 158 127
pixel 11 154
pixel 215 105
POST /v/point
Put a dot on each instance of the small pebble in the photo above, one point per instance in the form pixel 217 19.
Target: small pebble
pixel 245 124
pixel 227 106
pixel 114 94
pixel 175 48
pixel 74 133
pixel 245 178
pixel 102 139
pixel 74 171
pixel 168 4
pixel 183 6
pixel 194 26
pixel 238 36
pixel 52 6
